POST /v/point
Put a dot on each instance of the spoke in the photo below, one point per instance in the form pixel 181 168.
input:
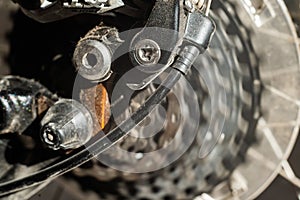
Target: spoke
pixel 288 173
pixel 271 139
pixel 262 159
pixel 282 95
pixel 280 71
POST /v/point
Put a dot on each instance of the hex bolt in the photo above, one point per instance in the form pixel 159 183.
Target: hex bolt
pixel 92 59
pixel 66 125
pixel 147 52
pixel 93 54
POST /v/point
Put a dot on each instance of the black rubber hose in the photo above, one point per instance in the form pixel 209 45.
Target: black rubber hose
pixel 98 146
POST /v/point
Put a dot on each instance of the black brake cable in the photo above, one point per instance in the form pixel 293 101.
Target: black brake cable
pixel 97 147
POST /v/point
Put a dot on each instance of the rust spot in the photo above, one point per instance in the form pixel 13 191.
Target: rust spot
pixel 97 101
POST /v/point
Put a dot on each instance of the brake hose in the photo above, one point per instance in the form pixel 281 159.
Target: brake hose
pixel 97 147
